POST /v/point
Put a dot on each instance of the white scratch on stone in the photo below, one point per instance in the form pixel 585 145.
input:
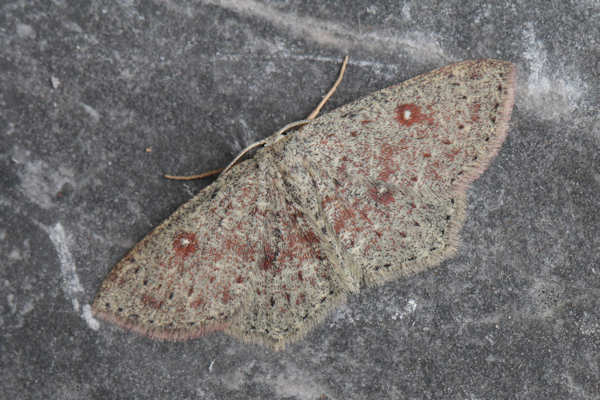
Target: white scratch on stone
pixel 10 300
pixel 288 382
pixel 91 112
pixel 409 308
pixel 71 284
pixel 552 89
pixel 293 382
pixel 27 308
pixel 328 33
pixel 406 12
pixel 55 82
pixel 378 68
pixel 89 318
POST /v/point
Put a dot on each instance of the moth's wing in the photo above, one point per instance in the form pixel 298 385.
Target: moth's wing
pixel 392 168
pixel 191 274
pixel 296 284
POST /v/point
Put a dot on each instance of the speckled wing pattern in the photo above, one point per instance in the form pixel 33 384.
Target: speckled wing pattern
pixel 373 190
pixel 295 286
pixel 191 274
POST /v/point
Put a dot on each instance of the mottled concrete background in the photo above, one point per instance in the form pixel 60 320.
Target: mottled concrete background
pixel 87 86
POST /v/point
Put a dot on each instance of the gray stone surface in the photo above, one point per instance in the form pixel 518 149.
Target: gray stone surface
pixel 87 86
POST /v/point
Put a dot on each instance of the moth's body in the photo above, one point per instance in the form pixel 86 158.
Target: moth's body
pixel 370 191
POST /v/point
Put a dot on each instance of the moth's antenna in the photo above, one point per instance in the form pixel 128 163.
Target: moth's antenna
pixel 286 128
pixel 316 111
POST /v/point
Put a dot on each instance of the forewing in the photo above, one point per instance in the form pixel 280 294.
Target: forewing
pixel 191 274
pixel 392 168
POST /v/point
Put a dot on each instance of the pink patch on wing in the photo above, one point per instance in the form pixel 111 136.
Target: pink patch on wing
pixel 475 112
pixel 385 197
pixel 185 244
pixel 152 302
pixel 409 114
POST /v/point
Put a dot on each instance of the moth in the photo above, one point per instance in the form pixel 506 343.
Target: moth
pixel 372 191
